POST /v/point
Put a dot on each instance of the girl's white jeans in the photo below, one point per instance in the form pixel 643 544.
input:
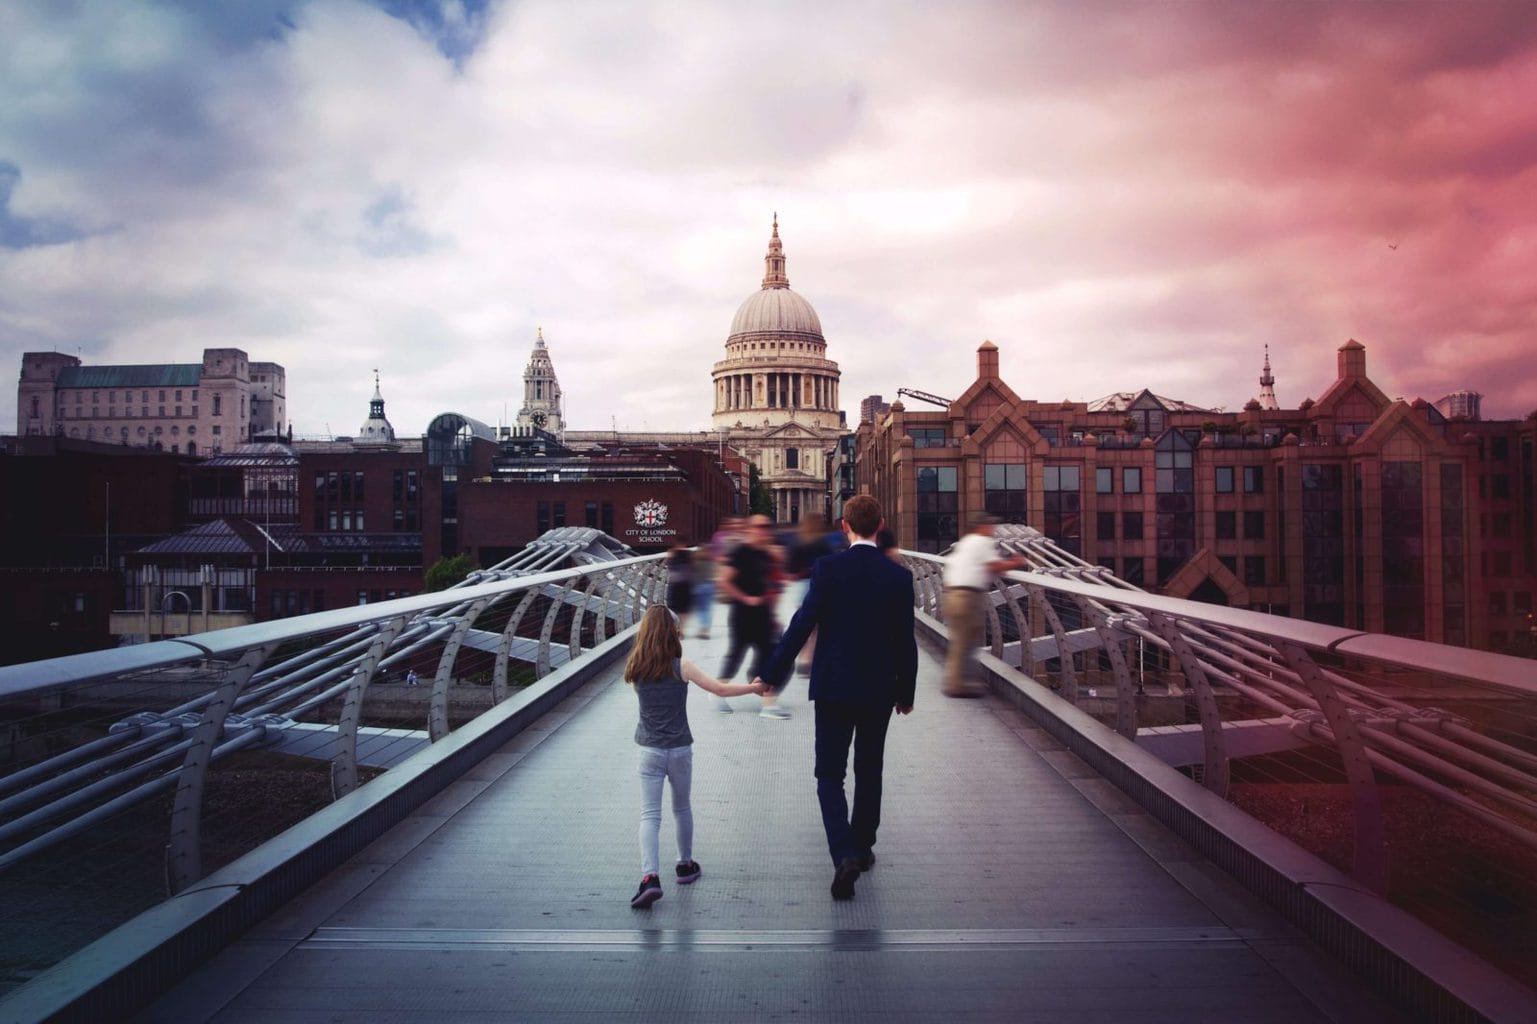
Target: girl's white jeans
pixel 675 765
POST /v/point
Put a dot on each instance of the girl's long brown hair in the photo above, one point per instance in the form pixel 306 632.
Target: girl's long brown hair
pixel 657 646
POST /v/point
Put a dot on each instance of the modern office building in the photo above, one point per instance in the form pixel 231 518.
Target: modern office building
pixel 195 408
pixel 1354 509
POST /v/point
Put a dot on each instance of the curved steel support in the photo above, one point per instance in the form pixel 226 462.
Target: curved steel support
pixel 344 766
pixel 1370 858
pixel 577 614
pixel 1011 594
pixel 437 707
pixel 600 623
pixel 504 649
pixel 184 851
pixel 994 627
pixel 547 631
pixel 1068 674
pixel 927 583
pixel 1216 771
pixel 1120 669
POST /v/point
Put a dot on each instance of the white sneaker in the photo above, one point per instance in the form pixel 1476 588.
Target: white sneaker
pixel 774 711
pixel 723 706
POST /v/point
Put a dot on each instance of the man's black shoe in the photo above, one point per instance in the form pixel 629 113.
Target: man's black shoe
pixel 844 878
pixel 867 861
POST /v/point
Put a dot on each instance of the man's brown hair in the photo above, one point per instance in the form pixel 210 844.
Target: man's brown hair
pixel 863 515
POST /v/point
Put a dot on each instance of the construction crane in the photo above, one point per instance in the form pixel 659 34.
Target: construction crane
pixel 924 396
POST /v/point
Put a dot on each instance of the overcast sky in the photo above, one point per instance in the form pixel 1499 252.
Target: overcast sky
pixel 1120 195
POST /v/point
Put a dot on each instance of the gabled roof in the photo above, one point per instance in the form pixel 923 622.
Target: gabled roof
pixel 1124 401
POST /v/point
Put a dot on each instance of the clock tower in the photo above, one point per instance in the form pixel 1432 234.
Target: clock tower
pixel 542 406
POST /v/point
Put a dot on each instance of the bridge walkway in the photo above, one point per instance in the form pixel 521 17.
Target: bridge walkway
pixel 1012 884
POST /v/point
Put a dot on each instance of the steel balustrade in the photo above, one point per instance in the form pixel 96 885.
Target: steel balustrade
pixel 1317 685
pixel 1255 684
pixel 268 681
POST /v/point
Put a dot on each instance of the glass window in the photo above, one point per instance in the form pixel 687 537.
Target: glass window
pixel 1224 479
pixel 927 437
pixel 1254 571
pixel 1131 525
pixel 1254 525
pixel 1104 480
pixel 1105 525
pixel 1131 480
pixel 1227 525
pixel 1004 493
pixel 1254 479
pixel 938 507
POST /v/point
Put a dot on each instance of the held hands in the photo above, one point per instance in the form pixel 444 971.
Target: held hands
pixel 758 686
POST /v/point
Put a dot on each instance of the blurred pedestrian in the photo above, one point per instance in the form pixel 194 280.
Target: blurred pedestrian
pixel 746 581
pixel 811 544
pixel 680 583
pixel 969 571
pixel 707 562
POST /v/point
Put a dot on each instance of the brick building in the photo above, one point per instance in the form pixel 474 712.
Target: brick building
pixel 196 408
pixel 495 492
pixel 1354 509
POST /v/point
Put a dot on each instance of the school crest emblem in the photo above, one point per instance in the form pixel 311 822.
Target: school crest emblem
pixel 650 513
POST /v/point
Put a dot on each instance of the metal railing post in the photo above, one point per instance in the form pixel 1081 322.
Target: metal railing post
pixel 184 850
pixel 1370 855
pixel 1216 769
pixel 344 766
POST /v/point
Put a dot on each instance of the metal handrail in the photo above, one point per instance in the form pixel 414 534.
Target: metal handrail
pixel 340 652
pixel 1287 667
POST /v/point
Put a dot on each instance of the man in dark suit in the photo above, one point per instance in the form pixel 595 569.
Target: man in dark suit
pixel 865 666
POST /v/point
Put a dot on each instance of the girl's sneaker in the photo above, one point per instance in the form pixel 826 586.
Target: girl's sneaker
pixel 649 892
pixel 688 872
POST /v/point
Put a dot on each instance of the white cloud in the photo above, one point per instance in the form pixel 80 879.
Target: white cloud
pixel 1118 202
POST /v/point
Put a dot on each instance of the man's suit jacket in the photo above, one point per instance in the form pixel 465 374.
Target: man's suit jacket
pixel 861 604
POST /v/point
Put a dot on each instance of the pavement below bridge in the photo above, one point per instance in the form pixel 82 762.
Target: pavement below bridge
pixel 1012 884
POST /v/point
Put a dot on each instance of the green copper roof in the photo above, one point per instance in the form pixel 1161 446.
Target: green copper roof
pixel 156 375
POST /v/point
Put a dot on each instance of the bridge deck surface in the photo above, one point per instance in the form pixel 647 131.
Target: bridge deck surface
pixel 1012 884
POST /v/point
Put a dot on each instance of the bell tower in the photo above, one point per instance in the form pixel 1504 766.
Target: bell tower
pixel 542 405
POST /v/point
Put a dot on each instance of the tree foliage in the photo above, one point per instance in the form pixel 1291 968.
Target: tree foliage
pixel 760 499
pixel 445 572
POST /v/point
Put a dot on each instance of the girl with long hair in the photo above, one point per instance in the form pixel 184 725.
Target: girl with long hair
pixel 660 675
